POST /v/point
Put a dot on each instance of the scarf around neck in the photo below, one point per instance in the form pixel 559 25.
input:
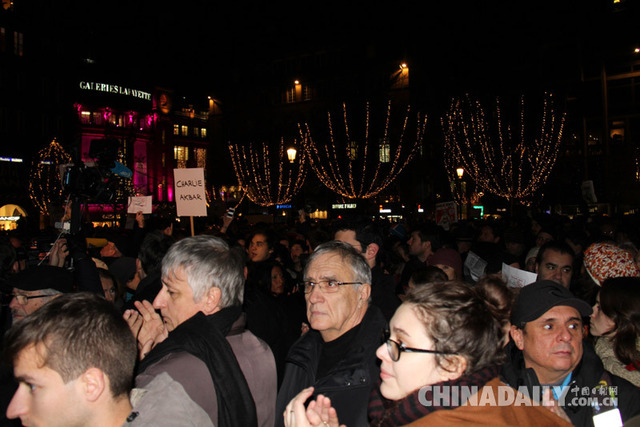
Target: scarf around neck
pixel 204 337
pixel 387 413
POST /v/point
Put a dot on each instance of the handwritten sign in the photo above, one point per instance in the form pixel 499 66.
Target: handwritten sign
pixel 446 214
pixel 517 278
pixel 140 204
pixel 189 192
pixel 474 267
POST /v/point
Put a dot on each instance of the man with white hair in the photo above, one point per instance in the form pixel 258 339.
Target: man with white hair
pixel 202 343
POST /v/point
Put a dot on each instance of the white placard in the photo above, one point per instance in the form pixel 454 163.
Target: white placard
pixel 446 214
pixel 140 204
pixel 474 267
pixel 517 278
pixel 189 192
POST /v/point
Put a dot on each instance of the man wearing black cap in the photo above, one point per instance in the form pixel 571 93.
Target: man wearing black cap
pixel 35 286
pixel 547 350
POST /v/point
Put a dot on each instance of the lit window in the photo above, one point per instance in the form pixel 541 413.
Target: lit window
pixel 181 155
pixel 385 150
pixel 353 150
pixel 196 132
pixel 185 130
pixel 306 92
pixel 291 95
pixel 176 129
pixel 203 132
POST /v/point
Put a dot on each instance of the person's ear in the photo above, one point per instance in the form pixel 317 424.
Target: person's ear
pixel 517 335
pixel 93 382
pixel 364 293
pixel 212 300
pixel 453 367
pixel 372 251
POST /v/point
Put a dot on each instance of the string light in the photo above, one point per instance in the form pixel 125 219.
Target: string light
pixel 253 169
pixel 339 172
pixel 45 183
pixel 514 169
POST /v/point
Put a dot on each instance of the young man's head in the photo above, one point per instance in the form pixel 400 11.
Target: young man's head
pixel 261 245
pixel 362 236
pixel 424 241
pixel 546 326
pixel 74 360
pixel 555 262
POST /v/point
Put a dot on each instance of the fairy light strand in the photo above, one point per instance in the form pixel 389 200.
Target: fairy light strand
pixel 252 166
pixel 512 169
pixel 338 173
pixel 45 184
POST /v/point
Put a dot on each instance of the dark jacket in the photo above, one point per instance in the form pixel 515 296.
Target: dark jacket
pixel 586 376
pixel 348 384
pixel 383 292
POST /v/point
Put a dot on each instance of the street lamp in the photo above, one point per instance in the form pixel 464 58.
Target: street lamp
pixel 460 172
pixel 291 154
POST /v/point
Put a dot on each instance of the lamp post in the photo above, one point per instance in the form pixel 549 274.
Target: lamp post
pixel 463 191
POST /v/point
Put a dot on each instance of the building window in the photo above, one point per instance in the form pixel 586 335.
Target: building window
pixel 181 155
pixel 201 158
pixel 306 92
pixel 176 129
pixel 185 130
pixel 203 132
pixel 17 43
pixel 196 132
pixel 385 150
pixel 85 117
pixel 291 95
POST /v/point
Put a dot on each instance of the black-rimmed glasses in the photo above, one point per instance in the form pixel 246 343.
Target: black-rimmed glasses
pixel 24 299
pixel 395 349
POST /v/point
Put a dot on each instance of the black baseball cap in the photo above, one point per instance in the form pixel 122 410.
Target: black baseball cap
pixel 539 297
pixel 42 277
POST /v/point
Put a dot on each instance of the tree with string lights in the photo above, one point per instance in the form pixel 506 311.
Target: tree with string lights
pixel 45 181
pixel 507 161
pixel 362 163
pixel 268 181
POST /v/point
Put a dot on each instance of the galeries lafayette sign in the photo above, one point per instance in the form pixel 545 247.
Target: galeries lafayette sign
pixel 117 89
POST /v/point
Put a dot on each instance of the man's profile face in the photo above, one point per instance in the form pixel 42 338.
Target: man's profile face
pixel 42 397
pixel 333 314
pixel 557 267
pixel 108 250
pixel 259 248
pixel 551 344
pixel 415 244
pixel 175 299
pixel 21 307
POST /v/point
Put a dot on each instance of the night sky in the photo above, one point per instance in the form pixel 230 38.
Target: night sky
pixel 462 44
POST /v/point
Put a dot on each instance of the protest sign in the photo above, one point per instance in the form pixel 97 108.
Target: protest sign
pixel 189 192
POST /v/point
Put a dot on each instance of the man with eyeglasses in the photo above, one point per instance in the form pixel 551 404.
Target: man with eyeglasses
pixel 337 356
pixel 555 262
pixel 35 286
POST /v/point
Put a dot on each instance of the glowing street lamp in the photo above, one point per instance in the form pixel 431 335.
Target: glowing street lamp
pixel 291 154
pixel 460 172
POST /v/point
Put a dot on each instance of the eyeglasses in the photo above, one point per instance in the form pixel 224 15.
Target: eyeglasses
pixel 24 299
pixel 326 286
pixel 395 349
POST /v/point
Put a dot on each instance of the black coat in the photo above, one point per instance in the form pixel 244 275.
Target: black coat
pixel 587 374
pixel 348 384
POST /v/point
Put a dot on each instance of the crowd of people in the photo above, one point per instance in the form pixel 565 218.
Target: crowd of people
pixel 350 322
